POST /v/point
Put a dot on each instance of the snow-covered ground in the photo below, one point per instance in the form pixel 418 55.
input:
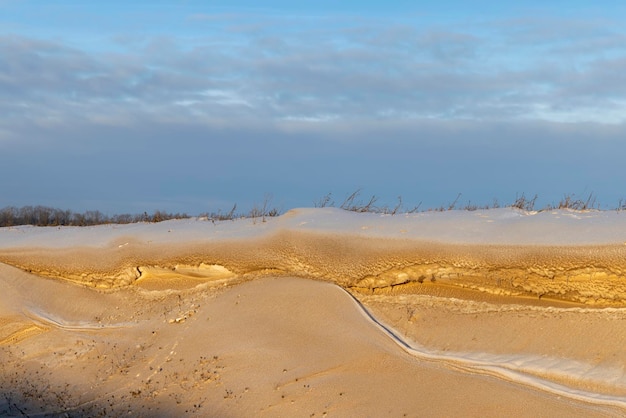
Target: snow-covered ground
pixel 493 226
pixel 467 315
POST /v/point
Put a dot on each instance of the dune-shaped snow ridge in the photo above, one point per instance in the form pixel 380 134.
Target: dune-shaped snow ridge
pixel 563 255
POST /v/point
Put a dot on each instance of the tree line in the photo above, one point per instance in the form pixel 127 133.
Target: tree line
pixel 47 216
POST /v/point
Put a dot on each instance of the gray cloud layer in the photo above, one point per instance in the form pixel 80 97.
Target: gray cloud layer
pixel 240 106
pixel 277 70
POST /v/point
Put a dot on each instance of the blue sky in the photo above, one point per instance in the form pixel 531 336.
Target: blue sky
pixel 193 106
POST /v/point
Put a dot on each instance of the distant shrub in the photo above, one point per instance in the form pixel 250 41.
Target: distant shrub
pixel 47 216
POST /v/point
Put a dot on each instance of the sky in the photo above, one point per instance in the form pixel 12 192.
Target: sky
pixel 193 106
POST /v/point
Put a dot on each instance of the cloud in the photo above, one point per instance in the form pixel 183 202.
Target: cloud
pixel 222 108
pixel 238 105
pixel 184 166
pixel 270 68
pixel 289 75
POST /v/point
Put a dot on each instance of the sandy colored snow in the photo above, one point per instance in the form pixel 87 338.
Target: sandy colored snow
pixel 319 312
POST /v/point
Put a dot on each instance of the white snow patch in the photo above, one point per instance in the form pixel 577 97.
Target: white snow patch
pixel 493 226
